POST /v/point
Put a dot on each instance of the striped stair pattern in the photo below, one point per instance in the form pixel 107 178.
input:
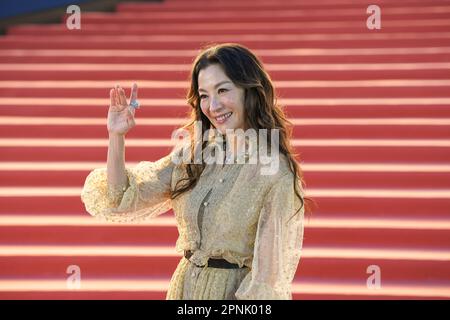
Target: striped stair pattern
pixel 371 110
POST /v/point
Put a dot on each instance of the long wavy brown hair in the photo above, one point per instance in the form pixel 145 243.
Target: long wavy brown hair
pixel 261 109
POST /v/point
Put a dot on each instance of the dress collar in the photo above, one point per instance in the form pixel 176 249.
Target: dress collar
pixel 244 153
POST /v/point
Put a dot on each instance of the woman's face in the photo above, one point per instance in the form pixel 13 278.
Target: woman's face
pixel 220 100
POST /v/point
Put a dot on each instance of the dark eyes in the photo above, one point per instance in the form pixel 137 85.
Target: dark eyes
pixel 204 96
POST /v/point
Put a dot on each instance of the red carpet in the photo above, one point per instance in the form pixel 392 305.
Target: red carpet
pixel 372 116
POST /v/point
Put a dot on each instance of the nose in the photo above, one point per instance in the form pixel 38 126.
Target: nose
pixel 214 106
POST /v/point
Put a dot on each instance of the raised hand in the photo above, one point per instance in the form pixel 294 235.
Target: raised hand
pixel 120 113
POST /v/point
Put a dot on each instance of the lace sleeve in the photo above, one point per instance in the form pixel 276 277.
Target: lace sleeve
pixel 278 245
pixel 146 195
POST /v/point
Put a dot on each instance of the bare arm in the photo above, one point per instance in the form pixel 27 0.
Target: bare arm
pixel 120 121
pixel 117 177
pixel 148 189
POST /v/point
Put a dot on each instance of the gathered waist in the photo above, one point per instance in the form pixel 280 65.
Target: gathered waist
pixel 214 263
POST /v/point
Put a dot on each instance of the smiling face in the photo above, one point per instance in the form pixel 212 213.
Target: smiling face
pixel 220 99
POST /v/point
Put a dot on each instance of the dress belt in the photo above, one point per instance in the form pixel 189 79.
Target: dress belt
pixel 214 263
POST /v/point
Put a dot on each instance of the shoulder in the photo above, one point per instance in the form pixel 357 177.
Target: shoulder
pixel 265 175
pixel 285 165
pixel 278 168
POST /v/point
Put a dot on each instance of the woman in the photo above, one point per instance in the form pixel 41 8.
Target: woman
pixel 240 226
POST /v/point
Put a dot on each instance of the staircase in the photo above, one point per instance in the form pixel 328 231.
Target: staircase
pixel 371 110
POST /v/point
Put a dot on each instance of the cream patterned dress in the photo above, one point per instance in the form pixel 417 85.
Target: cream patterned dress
pixel 234 213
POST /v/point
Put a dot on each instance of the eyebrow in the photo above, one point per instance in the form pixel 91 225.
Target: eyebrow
pixel 217 85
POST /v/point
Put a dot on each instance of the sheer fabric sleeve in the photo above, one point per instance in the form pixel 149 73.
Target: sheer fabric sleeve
pixel 146 195
pixel 277 247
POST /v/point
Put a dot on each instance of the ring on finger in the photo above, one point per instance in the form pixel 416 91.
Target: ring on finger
pixel 134 104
